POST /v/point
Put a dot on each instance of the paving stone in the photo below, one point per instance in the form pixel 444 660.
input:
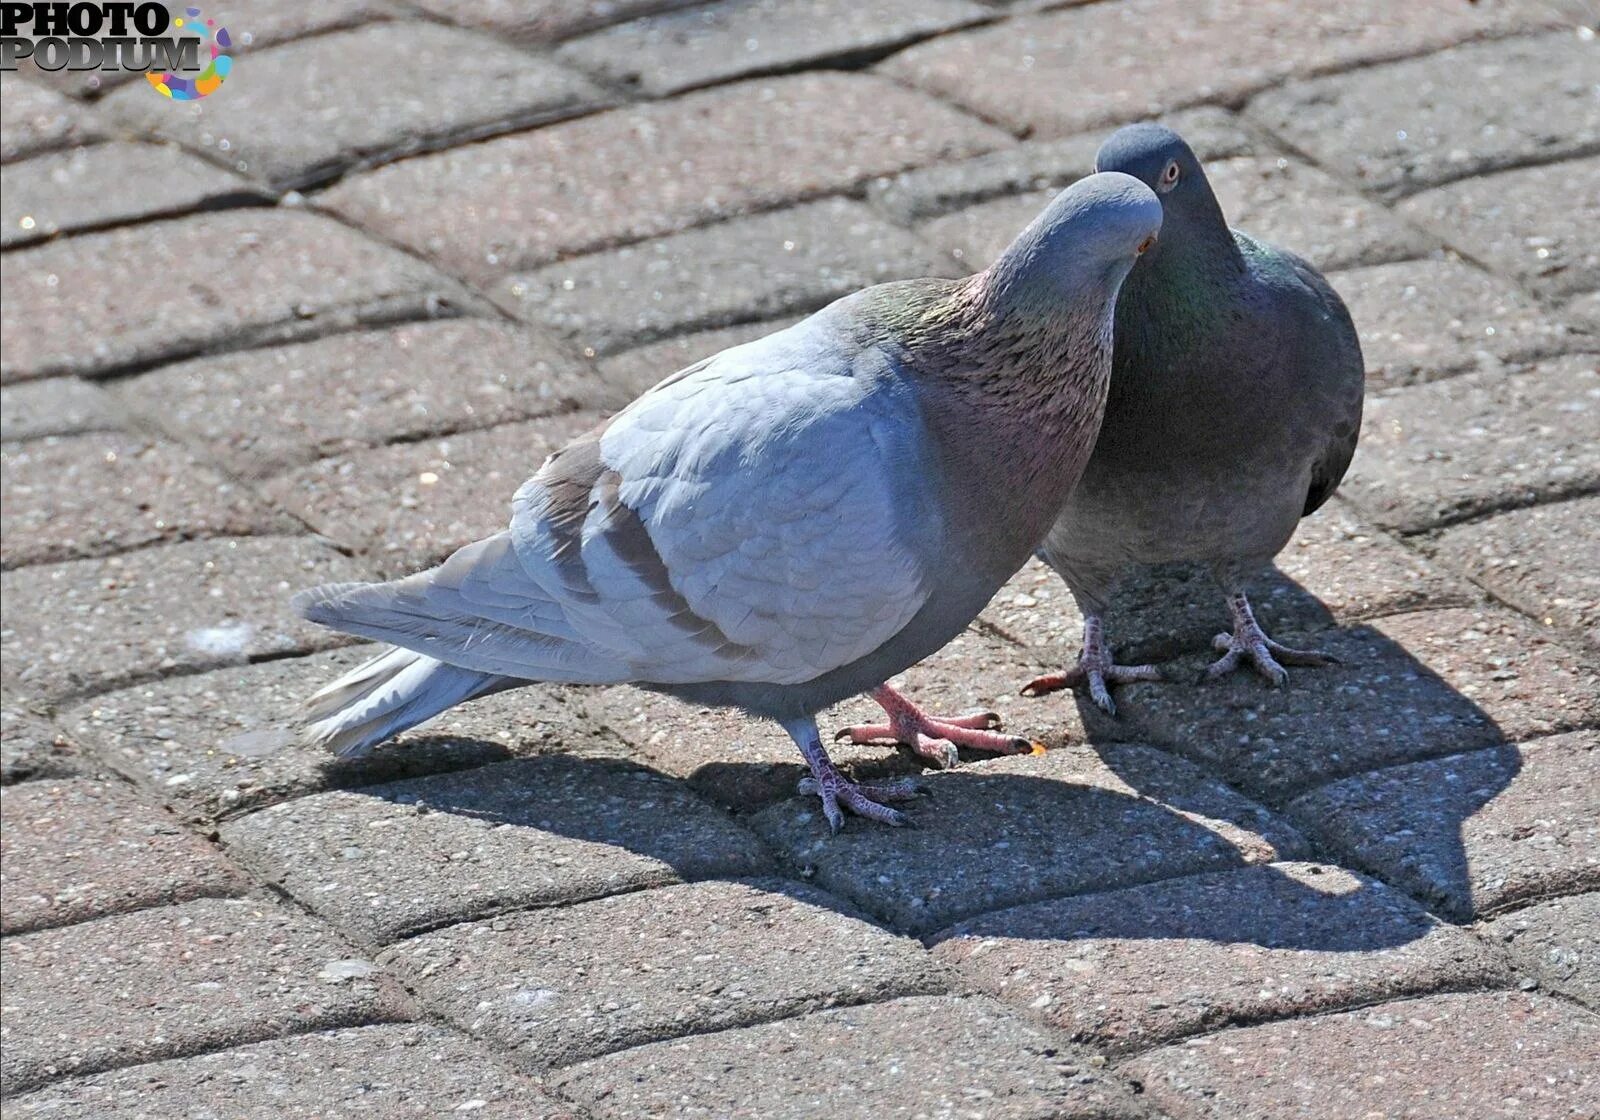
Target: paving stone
pixel 410 505
pixel 1533 223
pixel 1540 560
pixel 168 982
pixel 1085 66
pixel 406 857
pixel 923 1056
pixel 89 495
pixel 556 986
pixel 669 53
pixel 34 119
pixel 263 411
pixel 400 1071
pixel 1481 1054
pixel 758 267
pixel 1558 941
pixel 1438 454
pixel 1582 317
pixel 219 744
pixel 293 133
pixel 107 185
pixel 1014 830
pixel 1472 833
pixel 1213 133
pixel 1411 686
pixel 648 170
pixel 87 305
pixel 59 406
pixel 540 21
pixel 1125 969
pixel 1445 116
pixel 634 371
pixel 31 746
pixel 1423 320
pixel 90 625
pixel 76 850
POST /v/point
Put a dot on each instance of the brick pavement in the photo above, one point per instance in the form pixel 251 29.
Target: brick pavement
pixel 310 330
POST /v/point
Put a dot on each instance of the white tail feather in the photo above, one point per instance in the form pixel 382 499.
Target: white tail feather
pixel 385 696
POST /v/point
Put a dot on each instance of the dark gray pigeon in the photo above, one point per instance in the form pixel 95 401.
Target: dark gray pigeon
pixel 788 522
pixel 1234 410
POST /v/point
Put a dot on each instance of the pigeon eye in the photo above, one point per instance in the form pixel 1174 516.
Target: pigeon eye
pixel 1169 176
pixel 1146 245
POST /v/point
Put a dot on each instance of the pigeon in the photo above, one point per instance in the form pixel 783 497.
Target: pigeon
pixel 786 523
pixel 1234 409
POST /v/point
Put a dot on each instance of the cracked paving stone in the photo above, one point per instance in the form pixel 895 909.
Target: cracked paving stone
pixel 1014 830
pixel 1450 115
pixel 1540 560
pixel 293 133
pixel 263 411
pixel 1440 453
pixel 408 506
pixel 758 267
pixel 1129 968
pixel 1482 1054
pixel 398 1072
pixel 647 170
pixel 91 625
pixel 76 850
pixel 58 406
pixel 634 371
pixel 921 1056
pixel 34 119
pixel 168 982
pixel 86 305
pixel 31 746
pixel 1558 942
pixel 69 497
pixel 557 986
pixel 402 858
pixel 1473 833
pixel 543 21
pixel 110 184
pixel 219 744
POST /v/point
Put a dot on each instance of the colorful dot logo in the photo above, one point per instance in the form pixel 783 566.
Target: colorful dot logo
pixel 209 81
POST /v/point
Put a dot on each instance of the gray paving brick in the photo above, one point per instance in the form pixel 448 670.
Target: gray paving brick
pixel 218 744
pixel 1539 560
pixel 403 1071
pixel 543 20
pixel 1501 1054
pixel 1423 320
pixel 73 496
pixel 410 505
pixel 557 986
pixel 1472 833
pixel 1125 969
pixel 648 170
pixel 1063 71
pixel 262 411
pixel 169 982
pixel 401 858
pixel 89 625
pixel 1445 116
pixel 34 119
pixel 758 267
pixel 31 746
pixel 675 51
pixel 59 406
pixel 103 302
pixel 1437 454
pixel 1411 686
pixel 634 371
pixel 107 185
pixel 923 1056
pixel 79 849
pixel 1018 829
pixel 1558 942
pixel 1582 315
pixel 1533 223
pixel 261 126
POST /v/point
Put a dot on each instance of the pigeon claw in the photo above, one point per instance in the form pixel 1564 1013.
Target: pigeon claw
pixel 839 793
pixel 1097 678
pixel 1268 658
pixel 935 738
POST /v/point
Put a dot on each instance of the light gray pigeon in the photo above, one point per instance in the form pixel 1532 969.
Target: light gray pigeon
pixel 1234 409
pixel 788 522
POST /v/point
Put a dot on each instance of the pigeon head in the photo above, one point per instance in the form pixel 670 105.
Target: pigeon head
pixel 1161 160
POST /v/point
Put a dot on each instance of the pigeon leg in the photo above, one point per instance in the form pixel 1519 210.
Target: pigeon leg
pixel 933 737
pixel 1094 669
pixel 839 793
pixel 1249 642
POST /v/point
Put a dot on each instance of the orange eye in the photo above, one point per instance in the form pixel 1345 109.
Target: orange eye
pixel 1169 176
pixel 1144 246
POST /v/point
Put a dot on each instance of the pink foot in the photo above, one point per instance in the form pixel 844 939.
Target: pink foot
pixel 1249 642
pixel 1094 669
pixel 935 738
pixel 838 793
